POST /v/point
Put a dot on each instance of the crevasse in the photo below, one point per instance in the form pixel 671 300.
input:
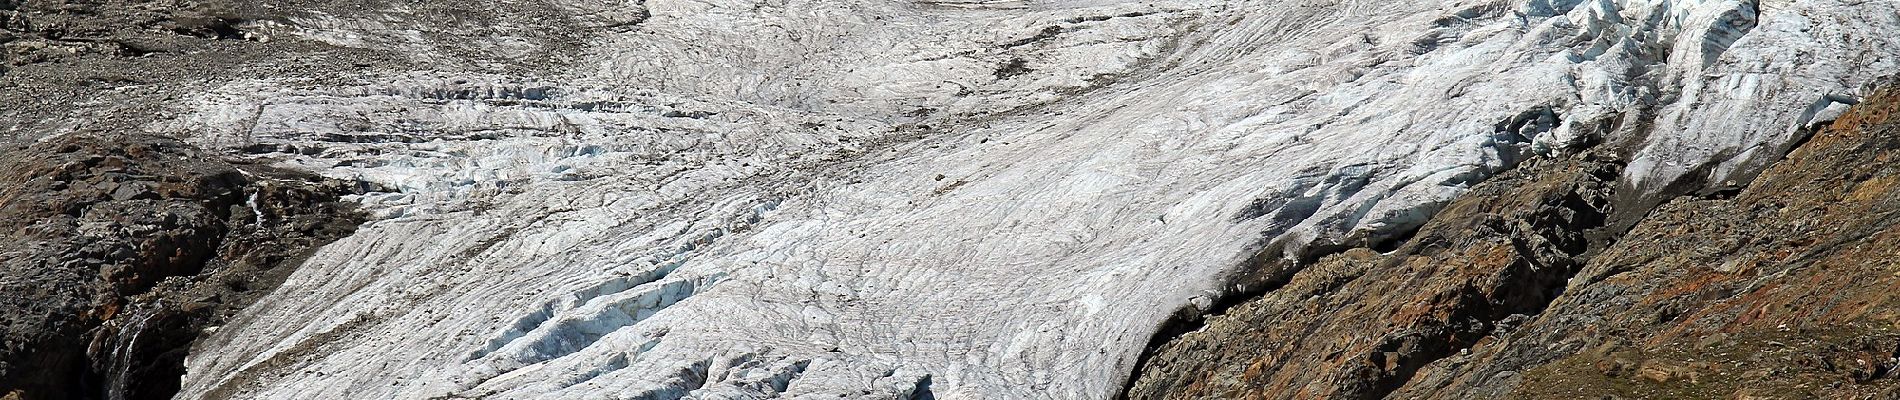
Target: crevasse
pixel 822 198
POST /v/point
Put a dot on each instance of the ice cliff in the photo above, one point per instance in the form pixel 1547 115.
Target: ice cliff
pixel 958 199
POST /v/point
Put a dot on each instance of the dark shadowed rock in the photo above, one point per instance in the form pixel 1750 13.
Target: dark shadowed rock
pixel 119 249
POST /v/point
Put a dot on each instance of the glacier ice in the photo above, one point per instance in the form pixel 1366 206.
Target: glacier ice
pixel 978 199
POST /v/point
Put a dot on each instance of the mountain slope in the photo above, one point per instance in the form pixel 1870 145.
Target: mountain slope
pixel 812 207
pixel 1781 291
pixel 733 198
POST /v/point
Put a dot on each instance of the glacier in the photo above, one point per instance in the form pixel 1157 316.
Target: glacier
pixel 950 198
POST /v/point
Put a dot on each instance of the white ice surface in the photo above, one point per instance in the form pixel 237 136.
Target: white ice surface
pixel 756 198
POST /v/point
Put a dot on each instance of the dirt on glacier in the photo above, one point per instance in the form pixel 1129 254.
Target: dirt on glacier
pixel 1536 285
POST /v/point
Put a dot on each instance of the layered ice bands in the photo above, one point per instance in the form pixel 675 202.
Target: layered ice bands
pixel 969 199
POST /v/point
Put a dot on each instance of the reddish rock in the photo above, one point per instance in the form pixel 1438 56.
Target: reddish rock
pixel 1531 288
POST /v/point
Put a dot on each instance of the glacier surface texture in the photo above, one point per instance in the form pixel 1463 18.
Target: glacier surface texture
pixel 974 199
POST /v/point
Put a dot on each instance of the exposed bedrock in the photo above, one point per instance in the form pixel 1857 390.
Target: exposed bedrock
pixel 118 250
pixel 1779 288
pixel 1360 324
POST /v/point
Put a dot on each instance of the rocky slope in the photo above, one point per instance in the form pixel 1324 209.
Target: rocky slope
pixel 1360 324
pixel 957 199
pixel 120 249
pixel 1780 290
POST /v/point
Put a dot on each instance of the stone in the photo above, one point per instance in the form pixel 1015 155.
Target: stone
pixel 1700 332
pixel 95 293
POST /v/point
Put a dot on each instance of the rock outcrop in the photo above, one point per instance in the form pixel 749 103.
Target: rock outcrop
pixel 1360 324
pixel 119 249
pixel 1780 288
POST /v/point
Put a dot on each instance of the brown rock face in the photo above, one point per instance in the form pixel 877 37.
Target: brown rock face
pixel 1360 324
pixel 118 251
pixel 1529 288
